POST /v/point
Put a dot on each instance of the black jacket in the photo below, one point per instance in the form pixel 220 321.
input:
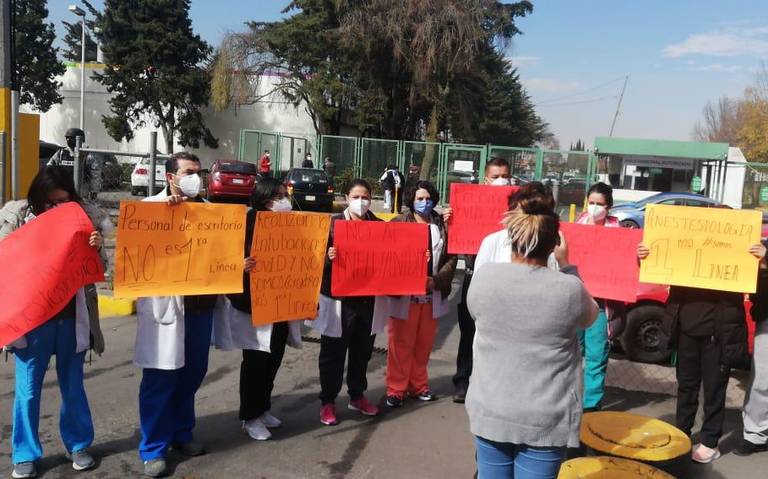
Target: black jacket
pixel 760 298
pixel 242 301
pixel 325 287
pixel 703 312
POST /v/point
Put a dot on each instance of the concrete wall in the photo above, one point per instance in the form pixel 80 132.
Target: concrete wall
pixel 272 114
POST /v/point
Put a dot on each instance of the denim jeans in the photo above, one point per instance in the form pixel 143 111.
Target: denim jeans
pixel 496 460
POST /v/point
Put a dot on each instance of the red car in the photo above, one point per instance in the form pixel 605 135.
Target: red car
pixel 232 180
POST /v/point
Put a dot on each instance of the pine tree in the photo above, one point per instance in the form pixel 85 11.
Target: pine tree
pixel 35 64
pixel 73 37
pixel 157 75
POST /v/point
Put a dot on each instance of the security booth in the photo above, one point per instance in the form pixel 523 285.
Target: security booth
pixel 638 168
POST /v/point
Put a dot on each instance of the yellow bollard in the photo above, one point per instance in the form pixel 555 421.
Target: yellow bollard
pixel 572 214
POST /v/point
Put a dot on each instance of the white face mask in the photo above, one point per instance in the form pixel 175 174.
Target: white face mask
pixel 283 204
pixel 359 207
pixel 190 185
pixel 597 212
pixel 500 182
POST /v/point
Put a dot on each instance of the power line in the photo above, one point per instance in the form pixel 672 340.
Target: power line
pixel 581 92
pixel 577 102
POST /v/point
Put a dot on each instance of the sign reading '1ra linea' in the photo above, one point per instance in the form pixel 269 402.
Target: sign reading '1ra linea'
pixel 477 212
pixel 186 249
pixel 701 247
pixel 375 258
pixel 289 249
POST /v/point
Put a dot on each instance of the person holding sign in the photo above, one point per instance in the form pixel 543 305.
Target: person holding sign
pixel 595 344
pixel 413 319
pixel 67 335
pixel 263 347
pixel 527 318
pixel 345 324
pixel 708 330
pixel 172 341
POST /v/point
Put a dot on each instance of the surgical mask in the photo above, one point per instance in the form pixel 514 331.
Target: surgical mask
pixel 190 185
pixel 500 182
pixel 423 207
pixel 359 206
pixel 283 204
pixel 597 212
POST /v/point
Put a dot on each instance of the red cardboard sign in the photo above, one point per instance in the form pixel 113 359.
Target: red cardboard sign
pixel 44 263
pixel 477 212
pixel 607 259
pixel 376 258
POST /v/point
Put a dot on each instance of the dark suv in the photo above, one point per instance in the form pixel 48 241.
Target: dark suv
pixel 310 189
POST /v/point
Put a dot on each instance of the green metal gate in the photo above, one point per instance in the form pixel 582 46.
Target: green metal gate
pixel 460 163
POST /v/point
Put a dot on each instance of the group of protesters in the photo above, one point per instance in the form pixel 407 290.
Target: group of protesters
pixel 525 318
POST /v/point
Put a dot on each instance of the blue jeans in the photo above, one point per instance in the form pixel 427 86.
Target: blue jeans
pixel 53 337
pixel 595 348
pixel 167 397
pixel 497 460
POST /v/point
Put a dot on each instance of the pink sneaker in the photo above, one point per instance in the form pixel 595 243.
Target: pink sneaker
pixel 328 415
pixel 362 405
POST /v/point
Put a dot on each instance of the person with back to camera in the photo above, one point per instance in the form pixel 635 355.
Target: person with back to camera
pixel 263 346
pixel 527 318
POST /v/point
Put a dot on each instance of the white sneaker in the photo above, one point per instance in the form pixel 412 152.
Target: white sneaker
pixel 705 455
pixel 257 430
pixel 270 421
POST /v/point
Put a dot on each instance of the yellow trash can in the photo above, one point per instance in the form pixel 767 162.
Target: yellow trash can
pixel 603 467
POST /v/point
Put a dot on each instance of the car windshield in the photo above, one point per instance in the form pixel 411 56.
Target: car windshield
pixel 309 176
pixel 240 167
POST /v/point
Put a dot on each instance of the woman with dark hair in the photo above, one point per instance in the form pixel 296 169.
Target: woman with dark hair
pixel 264 346
pixel 346 324
pixel 527 317
pixel 68 334
pixel 595 342
pixel 413 319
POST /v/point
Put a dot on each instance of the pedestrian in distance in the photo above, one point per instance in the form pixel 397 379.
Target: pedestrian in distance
pixel 413 320
pixel 346 325
pixel 307 162
pixel 265 164
pixel 67 335
pixel 172 342
pixel 90 166
pixel 527 318
pixel 263 346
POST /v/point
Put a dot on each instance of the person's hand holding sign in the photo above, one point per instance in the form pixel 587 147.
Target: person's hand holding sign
pixel 95 240
pixel 642 251
pixel 561 252
pixel 332 253
pixel 176 200
pixel 249 264
pixel 447 214
pixel 758 251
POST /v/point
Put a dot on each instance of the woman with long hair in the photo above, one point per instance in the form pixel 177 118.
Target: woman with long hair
pixel 264 346
pixel 67 335
pixel 527 318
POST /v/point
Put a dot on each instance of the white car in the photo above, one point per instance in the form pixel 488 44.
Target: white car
pixel 140 176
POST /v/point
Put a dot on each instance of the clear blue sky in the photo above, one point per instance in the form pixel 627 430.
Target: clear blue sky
pixel 573 56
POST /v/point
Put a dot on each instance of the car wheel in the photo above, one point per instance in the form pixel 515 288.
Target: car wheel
pixel 629 224
pixel 645 338
pixel 134 191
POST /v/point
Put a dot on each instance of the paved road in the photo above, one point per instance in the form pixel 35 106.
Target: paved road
pixel 418 441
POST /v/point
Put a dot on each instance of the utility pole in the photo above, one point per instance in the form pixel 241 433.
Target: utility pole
pixel 6 83
pixel 618 107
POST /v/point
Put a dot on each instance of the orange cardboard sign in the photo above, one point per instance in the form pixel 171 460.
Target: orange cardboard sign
pixel 187 249
pixel 289 249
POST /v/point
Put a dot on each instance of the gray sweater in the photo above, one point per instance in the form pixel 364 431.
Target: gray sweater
pixel 526 375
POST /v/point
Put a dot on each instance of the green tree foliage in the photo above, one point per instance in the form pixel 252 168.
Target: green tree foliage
pixel 73 36
pixel 154 71
pixel 35 64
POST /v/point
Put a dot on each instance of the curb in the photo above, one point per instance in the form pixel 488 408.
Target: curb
pixel 110 307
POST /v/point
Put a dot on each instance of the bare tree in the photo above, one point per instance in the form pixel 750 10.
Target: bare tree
pixel 720 123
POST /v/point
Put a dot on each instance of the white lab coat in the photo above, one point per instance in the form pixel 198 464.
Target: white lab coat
pixel 233 329
pixel 160 330
pixel 496 248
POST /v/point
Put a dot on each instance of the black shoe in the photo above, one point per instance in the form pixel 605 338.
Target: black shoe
pixel 426 396
pixel 747 448
pixel 459 396
pixel 190 449
pixel 394 401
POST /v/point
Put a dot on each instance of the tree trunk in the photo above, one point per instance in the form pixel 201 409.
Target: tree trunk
pixel 430 153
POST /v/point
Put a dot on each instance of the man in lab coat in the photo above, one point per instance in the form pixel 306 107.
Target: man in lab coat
pixel 172 342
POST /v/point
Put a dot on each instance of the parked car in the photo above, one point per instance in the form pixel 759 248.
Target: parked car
pixel 310 189
pixel 572 193
pixel 632 215
pixel 140 176
pixel 232 180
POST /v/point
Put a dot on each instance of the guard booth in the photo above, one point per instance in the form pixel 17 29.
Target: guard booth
pixel 638 168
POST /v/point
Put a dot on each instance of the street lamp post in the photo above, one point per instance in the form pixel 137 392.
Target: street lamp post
pixel 81 13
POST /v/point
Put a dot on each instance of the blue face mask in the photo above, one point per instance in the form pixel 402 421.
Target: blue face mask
pixel 423 207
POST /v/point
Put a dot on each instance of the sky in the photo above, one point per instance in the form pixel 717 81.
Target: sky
pixel 573 57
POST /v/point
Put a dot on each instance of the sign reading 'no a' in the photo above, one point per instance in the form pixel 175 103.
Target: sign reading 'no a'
pixel 187 249
pixel 701 247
